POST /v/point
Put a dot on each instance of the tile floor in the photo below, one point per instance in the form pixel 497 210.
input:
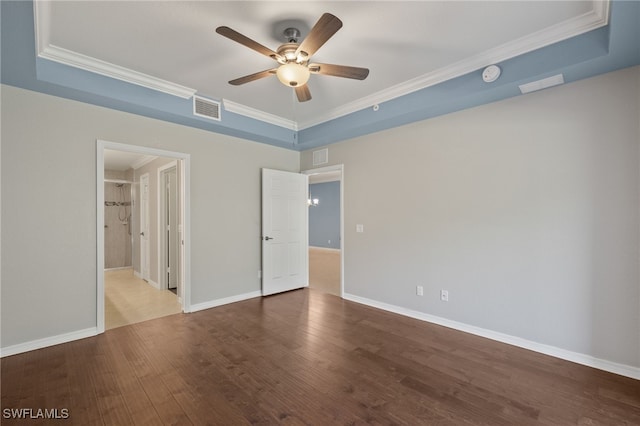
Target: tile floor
pixel 129 299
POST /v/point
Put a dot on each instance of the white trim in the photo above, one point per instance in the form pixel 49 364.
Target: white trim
pixel 87 63
pixel 225 301
pixel 99 237
pixel 588 360
pixel 101 145
pixel 143 161
pixel 128 182
pixel 596 18
pixel 259 115
pixel 119 268
pixel 329 249
pixel 47 341
pixel 160 216
pixel 41 24
pixel 144 217
pixel 153 284
pixel 332 169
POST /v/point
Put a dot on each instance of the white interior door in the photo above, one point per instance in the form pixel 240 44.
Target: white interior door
pixel 285 234
pixel 144 227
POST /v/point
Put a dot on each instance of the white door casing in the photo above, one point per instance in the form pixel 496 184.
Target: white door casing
pixel 173 247
pixel 184 228
pixel 285 235
pixel 144 227
pixel 332 170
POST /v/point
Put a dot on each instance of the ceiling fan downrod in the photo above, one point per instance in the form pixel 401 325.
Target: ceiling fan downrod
pixel 291 35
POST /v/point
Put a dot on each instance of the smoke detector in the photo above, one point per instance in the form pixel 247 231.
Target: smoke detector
pixel 491 73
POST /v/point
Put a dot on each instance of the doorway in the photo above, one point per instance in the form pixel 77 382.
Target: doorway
pixel 180 214
pixel 326 229
pixel 169 227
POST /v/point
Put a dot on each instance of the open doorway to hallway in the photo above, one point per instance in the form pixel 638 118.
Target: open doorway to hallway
pixel 325 230
pixel 149 278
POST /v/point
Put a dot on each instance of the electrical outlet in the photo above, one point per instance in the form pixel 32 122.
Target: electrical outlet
pixel 444 295
pixel 419 290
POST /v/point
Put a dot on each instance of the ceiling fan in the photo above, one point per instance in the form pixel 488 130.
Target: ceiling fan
pixel 294 69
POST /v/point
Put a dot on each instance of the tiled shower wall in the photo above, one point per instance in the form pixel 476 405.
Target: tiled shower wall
pixel 117 221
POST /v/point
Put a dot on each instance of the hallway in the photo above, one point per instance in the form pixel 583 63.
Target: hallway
pixel 129 300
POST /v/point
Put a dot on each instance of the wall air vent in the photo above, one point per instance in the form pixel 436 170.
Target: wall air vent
pixel 542 84
pixel 321 156
pixel 206 108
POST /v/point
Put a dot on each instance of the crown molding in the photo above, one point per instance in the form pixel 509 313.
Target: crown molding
pixel 144 160
pixel 87 63
pixel 597 17
pixel 45 49
pixel 259 115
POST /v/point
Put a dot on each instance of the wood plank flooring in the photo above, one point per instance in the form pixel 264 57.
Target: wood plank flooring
pixel 306 357
pixel 324 270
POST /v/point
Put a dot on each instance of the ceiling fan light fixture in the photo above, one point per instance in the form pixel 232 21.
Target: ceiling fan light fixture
pixel 293 75
pixel 293 57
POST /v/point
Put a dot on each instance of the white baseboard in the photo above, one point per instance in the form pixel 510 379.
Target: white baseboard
pixel 137 274
pixel 48 341
pixel 589 361
pixel 329 249
pixel 119 268
pixel 224 301
pixel 89 332
pixel 153 284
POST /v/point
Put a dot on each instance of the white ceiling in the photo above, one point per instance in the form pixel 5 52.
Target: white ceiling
pixel 400 42
pixel 123 160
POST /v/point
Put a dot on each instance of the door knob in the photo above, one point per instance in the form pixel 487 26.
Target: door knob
pixel 142 233
pixel 268 238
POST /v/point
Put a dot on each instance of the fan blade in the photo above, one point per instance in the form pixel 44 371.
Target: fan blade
pixel 246 41
pixel 303 93
pixel 339 71
pixel 322 31
pixel 253 77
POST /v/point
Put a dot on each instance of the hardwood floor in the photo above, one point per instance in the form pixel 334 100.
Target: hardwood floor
pixel 307 357
pixel 324 270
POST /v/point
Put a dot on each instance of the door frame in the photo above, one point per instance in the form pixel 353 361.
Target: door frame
pixel 185 200
pixel 328 169
pixel 145 244
pixel 162 237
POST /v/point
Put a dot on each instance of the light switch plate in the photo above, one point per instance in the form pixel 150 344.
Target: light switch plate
pixel 359 228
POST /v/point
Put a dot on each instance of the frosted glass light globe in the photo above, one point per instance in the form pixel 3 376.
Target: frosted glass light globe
pixel 293 74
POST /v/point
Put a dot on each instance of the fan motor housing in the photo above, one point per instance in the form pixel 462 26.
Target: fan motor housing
pixel 288 52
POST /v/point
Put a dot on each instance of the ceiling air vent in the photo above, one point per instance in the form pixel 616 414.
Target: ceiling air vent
pixel 321 156
pixel 206 108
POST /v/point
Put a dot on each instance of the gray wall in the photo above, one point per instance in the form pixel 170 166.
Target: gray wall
pixel 49 241
pixel 324 219
pixel 526 210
